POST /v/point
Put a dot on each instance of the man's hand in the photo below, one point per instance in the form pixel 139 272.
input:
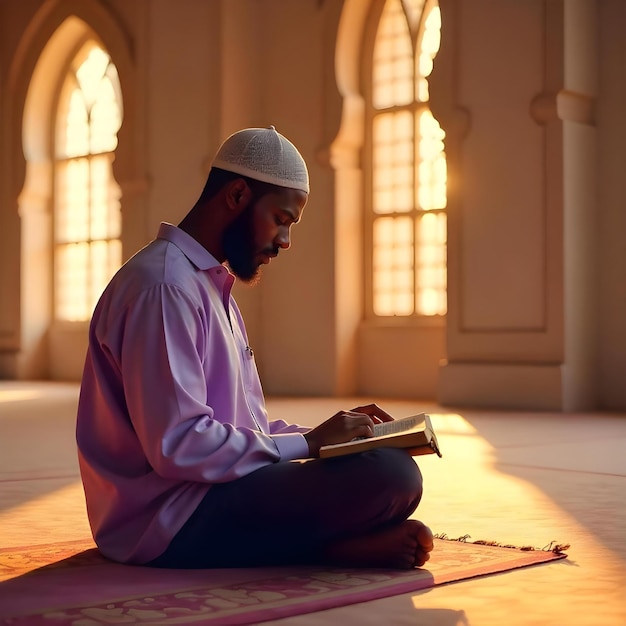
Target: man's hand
pixel 345 426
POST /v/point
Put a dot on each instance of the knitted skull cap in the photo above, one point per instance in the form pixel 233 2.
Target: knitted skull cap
pixel 266 155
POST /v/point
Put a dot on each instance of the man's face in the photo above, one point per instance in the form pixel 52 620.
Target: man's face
pixel 261 230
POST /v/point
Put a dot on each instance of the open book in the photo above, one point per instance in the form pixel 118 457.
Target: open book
pixel 414 433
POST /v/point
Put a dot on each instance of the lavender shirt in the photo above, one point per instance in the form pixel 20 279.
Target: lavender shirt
pixel 170 401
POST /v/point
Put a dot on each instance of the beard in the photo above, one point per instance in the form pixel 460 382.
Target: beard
pixel 240 247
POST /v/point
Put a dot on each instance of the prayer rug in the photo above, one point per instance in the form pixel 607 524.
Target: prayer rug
pixel 71 583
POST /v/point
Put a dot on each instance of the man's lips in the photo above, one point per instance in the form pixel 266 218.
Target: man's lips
pixel 268 256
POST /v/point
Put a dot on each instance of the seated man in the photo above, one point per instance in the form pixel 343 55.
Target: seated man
pixel 181 466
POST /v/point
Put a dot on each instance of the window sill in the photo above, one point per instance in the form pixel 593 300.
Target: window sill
pixel 413 321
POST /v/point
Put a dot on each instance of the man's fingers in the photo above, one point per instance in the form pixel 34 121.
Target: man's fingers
pixel 360 422
pixel 374 411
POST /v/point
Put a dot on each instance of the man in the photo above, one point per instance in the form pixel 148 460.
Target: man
pixel 180 465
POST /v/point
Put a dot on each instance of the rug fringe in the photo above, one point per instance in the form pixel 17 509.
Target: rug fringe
pixel 553 546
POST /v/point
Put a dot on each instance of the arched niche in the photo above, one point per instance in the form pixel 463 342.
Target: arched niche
pixel 43 349
pixel 364 348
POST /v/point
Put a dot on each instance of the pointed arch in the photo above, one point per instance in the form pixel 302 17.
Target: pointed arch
pixel 56 28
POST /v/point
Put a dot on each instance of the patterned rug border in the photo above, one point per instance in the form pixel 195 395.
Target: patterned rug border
pixel 259 595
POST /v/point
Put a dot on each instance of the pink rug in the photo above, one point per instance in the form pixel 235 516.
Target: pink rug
pixel 71 583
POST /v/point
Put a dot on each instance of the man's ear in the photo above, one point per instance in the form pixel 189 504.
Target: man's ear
pixel 238 195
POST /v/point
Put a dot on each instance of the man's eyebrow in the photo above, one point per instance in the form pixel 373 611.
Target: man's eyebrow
pixel 293 215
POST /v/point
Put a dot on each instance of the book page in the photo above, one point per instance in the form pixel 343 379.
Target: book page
pixel 399 425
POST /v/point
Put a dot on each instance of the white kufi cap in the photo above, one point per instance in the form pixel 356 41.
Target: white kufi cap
pixel 263 154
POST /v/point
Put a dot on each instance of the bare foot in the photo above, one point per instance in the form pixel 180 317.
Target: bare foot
pixel 426 543
pixel 404 546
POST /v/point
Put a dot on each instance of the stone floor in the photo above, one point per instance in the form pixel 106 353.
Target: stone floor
pixel 518 478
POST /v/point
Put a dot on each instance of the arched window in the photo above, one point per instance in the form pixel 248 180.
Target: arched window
pixel 407 170
pixel 87 219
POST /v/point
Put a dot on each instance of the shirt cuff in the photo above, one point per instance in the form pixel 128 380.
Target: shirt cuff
pixel 291 446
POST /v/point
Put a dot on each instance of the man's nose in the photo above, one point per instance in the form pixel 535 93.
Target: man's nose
pixel 284 237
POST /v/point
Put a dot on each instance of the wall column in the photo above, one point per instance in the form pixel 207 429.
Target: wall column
pixel 521 188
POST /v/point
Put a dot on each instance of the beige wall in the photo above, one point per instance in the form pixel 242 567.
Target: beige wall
pixel 531 95
pixel 523 96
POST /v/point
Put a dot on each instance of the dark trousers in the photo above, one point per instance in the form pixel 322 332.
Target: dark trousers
pixel 288 512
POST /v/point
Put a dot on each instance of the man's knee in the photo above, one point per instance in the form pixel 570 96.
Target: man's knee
pixel 395 470
pixel 401 469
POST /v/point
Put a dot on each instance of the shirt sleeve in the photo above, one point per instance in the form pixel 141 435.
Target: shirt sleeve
pixel 291 446
pixel 164 370
pixel 289 439
pixel 280 426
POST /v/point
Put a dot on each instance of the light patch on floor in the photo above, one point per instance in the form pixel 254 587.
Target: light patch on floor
pixel 15 395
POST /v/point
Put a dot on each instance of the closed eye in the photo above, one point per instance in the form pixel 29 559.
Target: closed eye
pixel 283 219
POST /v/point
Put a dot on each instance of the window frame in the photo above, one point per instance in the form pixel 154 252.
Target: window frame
pixel 370 216
pixel 70 65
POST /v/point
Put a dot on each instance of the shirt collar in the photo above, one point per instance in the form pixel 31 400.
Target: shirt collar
pixel 191 248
